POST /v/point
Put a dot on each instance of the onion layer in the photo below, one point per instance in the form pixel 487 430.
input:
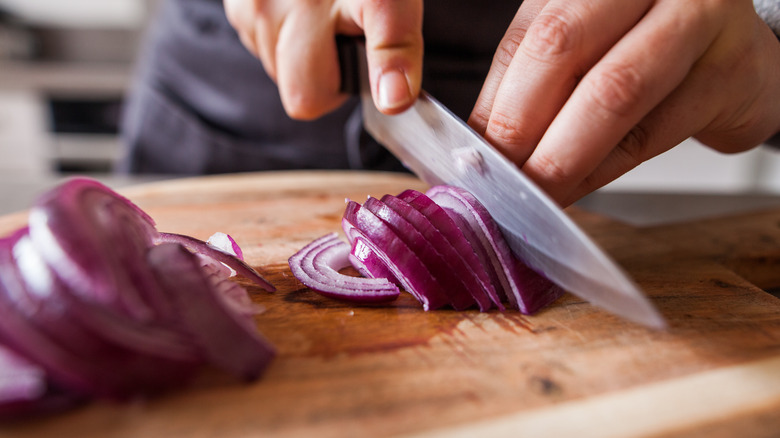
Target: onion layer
pixel 95 302
pixel 317 266
pixel 441 246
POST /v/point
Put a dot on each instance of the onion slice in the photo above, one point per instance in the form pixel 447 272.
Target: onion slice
pixel 445 235
pixel 408 228
pixel 442 246
pixel 96 304
pixel 317 266
pixel 227 338
pixel 94 240
pixel 20 380
pixel 232 261
pixel 368 263
pixel 405 265
pixel 225 243
pixel 525 288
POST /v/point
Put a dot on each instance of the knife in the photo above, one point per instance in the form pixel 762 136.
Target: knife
pixel 441 149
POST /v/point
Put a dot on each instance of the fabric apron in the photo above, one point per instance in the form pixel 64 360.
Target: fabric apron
pixel 202 104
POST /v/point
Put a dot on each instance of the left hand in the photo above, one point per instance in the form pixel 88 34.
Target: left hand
pixel 582 91
pixel 296 42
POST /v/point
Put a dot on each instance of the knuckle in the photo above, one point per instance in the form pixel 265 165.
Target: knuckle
pixel 549 169
pixel 509 135
pixel 508 47
pixel 634 146
pixel 551 35
pixel 301 106
pixel 308 4
pixel 617 90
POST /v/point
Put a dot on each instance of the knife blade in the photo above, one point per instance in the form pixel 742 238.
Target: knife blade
pixel 442 149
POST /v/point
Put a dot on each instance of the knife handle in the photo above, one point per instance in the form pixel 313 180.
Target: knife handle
pixel 349 63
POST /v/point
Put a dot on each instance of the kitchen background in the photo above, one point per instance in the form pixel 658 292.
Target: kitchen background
pixel 65 67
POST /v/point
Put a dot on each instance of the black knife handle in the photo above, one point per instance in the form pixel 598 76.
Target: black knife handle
pixel 349 63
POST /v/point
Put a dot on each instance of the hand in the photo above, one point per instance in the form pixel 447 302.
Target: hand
pixel 295 40
pixel 582 91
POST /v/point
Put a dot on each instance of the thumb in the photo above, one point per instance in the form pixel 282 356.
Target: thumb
pixel 394 48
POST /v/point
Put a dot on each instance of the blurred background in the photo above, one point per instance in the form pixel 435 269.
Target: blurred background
pixel 65 67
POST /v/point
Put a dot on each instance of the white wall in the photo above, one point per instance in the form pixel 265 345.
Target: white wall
pixel 692 167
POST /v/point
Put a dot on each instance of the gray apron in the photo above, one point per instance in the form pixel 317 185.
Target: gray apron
pixel 202 104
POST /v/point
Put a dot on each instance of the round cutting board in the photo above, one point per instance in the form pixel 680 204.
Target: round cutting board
pixel 392 369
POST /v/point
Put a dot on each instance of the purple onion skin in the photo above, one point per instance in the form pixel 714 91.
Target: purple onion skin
pixel 317 266
pixel 405 265
pixel 407 227
pixel 226 340
pixel 232 261
pixel 95 240
pixel 81 301
pixel 368 263
pixel 532 291
pixel 450 239
pixel 77 357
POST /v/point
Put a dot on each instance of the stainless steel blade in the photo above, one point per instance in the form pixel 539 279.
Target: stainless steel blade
pixel 442 149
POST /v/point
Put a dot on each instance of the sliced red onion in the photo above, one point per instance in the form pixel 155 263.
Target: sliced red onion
pixel 445 235
pixel 228 339
pixel 442 247
pixel 405 265
pixel 368 263
pixel 40 287
pixel 226 244
pixel 440 267
pixel 95 240
pixel 525 288
pixel 45 329
pixel 317 266
pixel 88 299
pixel 25 389
pixel 202 248
pixel 20 380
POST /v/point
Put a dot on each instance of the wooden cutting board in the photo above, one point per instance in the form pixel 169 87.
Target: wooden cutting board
pixel 345 370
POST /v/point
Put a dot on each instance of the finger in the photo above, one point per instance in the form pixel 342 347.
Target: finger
pixel 688 110
pixel 750 61
pixel 717 88
pixel 307 62
pixel 631 79
pixel 241 15
pixel 511 40
pixel 266 36
pixel 257 26
pixel 561 44
pixel 394 50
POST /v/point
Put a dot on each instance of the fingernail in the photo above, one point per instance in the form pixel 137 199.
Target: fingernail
pixel 393 89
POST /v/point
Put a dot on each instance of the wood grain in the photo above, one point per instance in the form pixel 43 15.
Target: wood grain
pixel 387 370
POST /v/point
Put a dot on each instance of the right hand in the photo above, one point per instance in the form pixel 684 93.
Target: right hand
pixel 295 40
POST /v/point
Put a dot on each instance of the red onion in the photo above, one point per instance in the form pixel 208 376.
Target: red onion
pixel 445 235
pixel 407 268
pixel 442 247
pixel 225 243
pixel 526 290
pixel 226 337
pixel 93 298
pixel 215 255
pixel 317 266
